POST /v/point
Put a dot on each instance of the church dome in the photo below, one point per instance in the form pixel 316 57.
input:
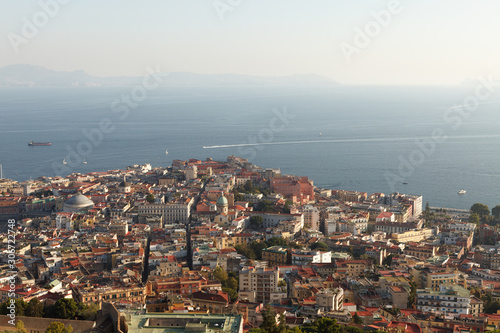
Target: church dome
pixel 124 184
pixel 78 203
pixel 222 201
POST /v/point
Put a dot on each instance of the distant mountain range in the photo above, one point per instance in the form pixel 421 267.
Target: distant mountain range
pixel 36 76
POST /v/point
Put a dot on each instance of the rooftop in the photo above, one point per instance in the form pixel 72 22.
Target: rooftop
pixel 209 323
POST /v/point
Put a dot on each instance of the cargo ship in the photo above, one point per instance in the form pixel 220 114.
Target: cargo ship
pixel 32 143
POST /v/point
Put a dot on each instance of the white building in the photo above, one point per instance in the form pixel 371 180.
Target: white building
pixel 304 258
pixel 330 300
pixel 64 221
pixel 241 222
pixel 451 299
pixel 172 212
pixel 257 284
pixel 191 172
pixel 271 220
pixel 311 217
pixel 416 200
pixel 469 227
pixel 292 226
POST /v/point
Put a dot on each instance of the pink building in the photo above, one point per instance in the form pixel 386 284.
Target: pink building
pixel 299 189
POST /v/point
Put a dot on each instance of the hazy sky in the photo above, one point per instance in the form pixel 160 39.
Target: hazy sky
pixel 422 42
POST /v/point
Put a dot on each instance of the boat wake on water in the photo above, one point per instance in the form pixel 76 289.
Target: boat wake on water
pixel 337 141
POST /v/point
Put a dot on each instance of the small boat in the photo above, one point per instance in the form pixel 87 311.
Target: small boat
pixel 64 161
pixel 166 152
pixel 84 162
pixel 33 143
pixel 320 134
pixel 405 183
pixel 462 192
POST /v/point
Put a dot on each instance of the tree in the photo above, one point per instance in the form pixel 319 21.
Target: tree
pixel 66 308
pixel 269 324
pixel 20 327
pixel 413 294
pixel 150 198
pixel 321 246
pixel 245 251
pixel 387 260
pixel 322 325
pixel 286 208
pixel 34 308
pixel 256 222
pixel 257 248
pixel 496 211
pixel 20 307
pixel 295 329
pixel 57 327
pixel 480 209
pixel 233 294
pixel 220 274
pixel 87 311
pixel 276 241
pixel 474 218
pixel 232 283
pixel 492 307
pixel 248 187
pixel 265 206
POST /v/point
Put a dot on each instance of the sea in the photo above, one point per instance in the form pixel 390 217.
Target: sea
pixel 431 141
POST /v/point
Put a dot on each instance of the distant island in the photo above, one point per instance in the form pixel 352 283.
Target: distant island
pixel 35 76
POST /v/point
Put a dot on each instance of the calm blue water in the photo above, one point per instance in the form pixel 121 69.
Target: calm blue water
pixel 365 132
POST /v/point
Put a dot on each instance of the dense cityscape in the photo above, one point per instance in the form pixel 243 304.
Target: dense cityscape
pixel 228 246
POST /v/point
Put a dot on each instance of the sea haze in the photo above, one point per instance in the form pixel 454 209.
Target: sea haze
pixel 341 137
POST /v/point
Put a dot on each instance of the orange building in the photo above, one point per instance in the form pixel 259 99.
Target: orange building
pixel 300 189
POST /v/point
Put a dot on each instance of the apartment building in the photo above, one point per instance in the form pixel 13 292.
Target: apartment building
pixel 133 293
pixel 173 212
pixel 432 279
pixel 276 256
pixel 450 299
pixel 305 258
pixel 311 217
pixel 330 299
pixel 257 284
